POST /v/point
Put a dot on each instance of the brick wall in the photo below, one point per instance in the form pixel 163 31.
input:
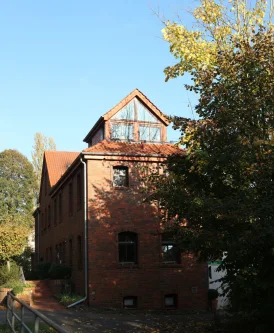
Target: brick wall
pixel 113 210
pixel 62 229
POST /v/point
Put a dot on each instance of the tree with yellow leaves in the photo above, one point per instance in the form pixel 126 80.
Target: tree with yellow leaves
pixel 218 27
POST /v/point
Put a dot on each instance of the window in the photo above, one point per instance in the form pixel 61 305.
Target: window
pixel 60 207
pixel 70 199
pixel 130 302
pixel 149 133
pixel 120 176
pixel 127 247
pixel 144 114
pixel 55 211
pixel 171 301
pixel 79 253
pixel 126 113
pixel 79 192
pixel 121 131
pixel 170 252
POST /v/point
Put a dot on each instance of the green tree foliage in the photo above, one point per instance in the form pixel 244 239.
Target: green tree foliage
pixel 13 238
pixel 16 187
pixel 223 185
pixel 41 143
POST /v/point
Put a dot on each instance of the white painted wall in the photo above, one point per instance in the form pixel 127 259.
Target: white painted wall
pixel 213 275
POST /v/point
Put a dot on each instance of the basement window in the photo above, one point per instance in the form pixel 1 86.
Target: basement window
pixel 130 302
pixel 120 176
pixel 171 301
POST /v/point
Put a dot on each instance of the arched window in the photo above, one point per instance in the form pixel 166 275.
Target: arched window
pixel 127 247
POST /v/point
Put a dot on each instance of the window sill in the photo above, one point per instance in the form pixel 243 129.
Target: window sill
pixel 121 188
pixel 128 265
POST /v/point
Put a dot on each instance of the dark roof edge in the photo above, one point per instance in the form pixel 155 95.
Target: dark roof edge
pixel 126 154
pixel 36 211
pixel 97 124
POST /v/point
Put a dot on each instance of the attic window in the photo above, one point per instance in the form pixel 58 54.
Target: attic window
pixel 149 133
pixel 121 131
pixel 144 114
pixel 126 113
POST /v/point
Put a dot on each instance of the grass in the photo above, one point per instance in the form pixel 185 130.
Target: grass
pixel 67 299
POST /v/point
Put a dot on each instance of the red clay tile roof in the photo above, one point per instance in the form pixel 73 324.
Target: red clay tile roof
pixel 124 102
pixel 134 148
pixel 57 163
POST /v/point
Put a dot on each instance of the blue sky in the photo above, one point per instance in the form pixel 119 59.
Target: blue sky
pixel 65 63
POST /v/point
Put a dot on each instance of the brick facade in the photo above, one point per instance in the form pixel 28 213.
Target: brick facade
pixel 112 210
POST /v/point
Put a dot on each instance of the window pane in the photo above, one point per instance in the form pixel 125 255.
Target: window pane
pixel 170 253
pixel 170 300
pixel 127 247
pixel 144 114
pixel 127 113
pixel 149 133
pixel 154 134
pixel 129 302
pixel 122 252
pixel 120 176
pixel 144 133
pixel 122 131
pixel 131 250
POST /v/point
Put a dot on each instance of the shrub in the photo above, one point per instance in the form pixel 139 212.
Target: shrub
pixel 24 260
pixel 67 299
pixel 59 271
pixel 18 288
pixel 9 275
pixel 41 271
pixel 67 286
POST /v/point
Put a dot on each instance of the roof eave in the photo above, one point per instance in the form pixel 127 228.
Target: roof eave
pixel 94 128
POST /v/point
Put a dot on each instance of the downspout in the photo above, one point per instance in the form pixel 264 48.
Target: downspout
pixel 86 238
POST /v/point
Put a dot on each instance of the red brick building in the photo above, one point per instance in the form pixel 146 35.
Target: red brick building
pixel 92 216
